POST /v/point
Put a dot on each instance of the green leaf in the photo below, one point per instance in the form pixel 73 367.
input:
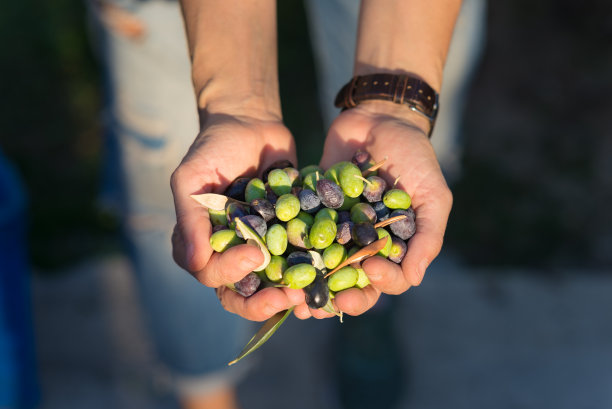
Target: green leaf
pixel 264 333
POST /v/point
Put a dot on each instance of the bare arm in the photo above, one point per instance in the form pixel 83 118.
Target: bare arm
pixel 399 37
pixel 232 44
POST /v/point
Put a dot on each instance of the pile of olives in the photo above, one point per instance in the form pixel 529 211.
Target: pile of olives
pixel 311 215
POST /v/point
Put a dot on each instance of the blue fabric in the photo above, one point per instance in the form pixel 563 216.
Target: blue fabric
pixel 151 120
pixel 18 378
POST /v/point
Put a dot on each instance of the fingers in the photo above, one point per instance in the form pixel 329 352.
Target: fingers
pixel 385 275
pixel 303 311
pixel 425 245
pixel 230 266
pixel 190 241
pixel 258 307
pixel 355 301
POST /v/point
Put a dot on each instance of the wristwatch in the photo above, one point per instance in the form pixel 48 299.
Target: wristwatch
pixel 401 89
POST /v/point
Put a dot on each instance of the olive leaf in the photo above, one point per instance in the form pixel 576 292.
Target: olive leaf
pixel 252 237
pixel 264 333
pixel 317 261
pixel 214 201
pixel 366 252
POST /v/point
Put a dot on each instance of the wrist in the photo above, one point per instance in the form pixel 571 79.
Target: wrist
pixel 387 110
pixel 260 102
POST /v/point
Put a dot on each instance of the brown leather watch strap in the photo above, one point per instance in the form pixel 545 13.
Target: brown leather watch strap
pixel 401 89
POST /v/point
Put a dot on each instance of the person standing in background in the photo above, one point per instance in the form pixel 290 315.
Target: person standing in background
pixel 151 119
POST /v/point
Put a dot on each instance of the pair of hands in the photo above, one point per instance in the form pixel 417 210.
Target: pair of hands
pixel 231 146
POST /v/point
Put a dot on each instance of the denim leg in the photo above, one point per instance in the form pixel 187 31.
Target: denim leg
pixel 151 119
pixel 333 32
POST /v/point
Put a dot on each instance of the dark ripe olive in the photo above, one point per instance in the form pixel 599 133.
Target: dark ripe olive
pixel 331 194
pixel 270 195
pixel 382 211
pixel 374 190
pixel 256 223
pixel 317 292
pixel 398 249
pixel 343 234
pixel 343 216
pixel 364 234
pixel 298 257
pixel 233 210
pixel 218 227
pixel 264 208
pixel 405 228
pixel 361 158
pixel 236 189
pixel 248 285
pixel 309 201
pixel 279 164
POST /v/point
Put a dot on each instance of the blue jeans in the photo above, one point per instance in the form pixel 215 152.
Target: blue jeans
pixel 151 120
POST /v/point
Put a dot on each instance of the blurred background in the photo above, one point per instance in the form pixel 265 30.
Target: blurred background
pixel 514 314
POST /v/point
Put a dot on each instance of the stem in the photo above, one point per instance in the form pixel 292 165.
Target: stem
pixel 390 220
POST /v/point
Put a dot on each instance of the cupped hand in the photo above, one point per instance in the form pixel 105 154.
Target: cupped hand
pixel 226 148
pixel 394 132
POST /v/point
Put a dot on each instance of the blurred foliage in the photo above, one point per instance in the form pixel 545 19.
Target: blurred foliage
pixel 298 83
pixel 49 127
pixel 537 177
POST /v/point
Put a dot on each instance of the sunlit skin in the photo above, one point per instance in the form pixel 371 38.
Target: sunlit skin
pixel 242 133
pixel 375 127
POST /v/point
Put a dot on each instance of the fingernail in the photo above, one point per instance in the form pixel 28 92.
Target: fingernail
pixel 422 267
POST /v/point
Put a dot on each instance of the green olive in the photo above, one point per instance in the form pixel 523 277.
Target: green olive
pixel 275 269
pixel 322 233
pixel 255 189
pixel 217 217
pixel 342 279
pixel 224 239
pixel 363 279
pixel 350 182
pixel 397 199
pixel 334 255
pixel 276 239
pixel 287 207
pixel 299 275
pixel 382 233
pixel 279 182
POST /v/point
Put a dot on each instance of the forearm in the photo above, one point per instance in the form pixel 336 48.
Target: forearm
pixel 405 36
pixel 232 45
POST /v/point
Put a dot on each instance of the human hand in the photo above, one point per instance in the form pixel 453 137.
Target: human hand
pixel 227 147
pixel 388 130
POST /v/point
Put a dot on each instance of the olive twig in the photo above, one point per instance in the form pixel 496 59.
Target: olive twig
pixel 364 179
pixel 390 220
pixel 395 182
pixel 375 166
pixel 366 252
